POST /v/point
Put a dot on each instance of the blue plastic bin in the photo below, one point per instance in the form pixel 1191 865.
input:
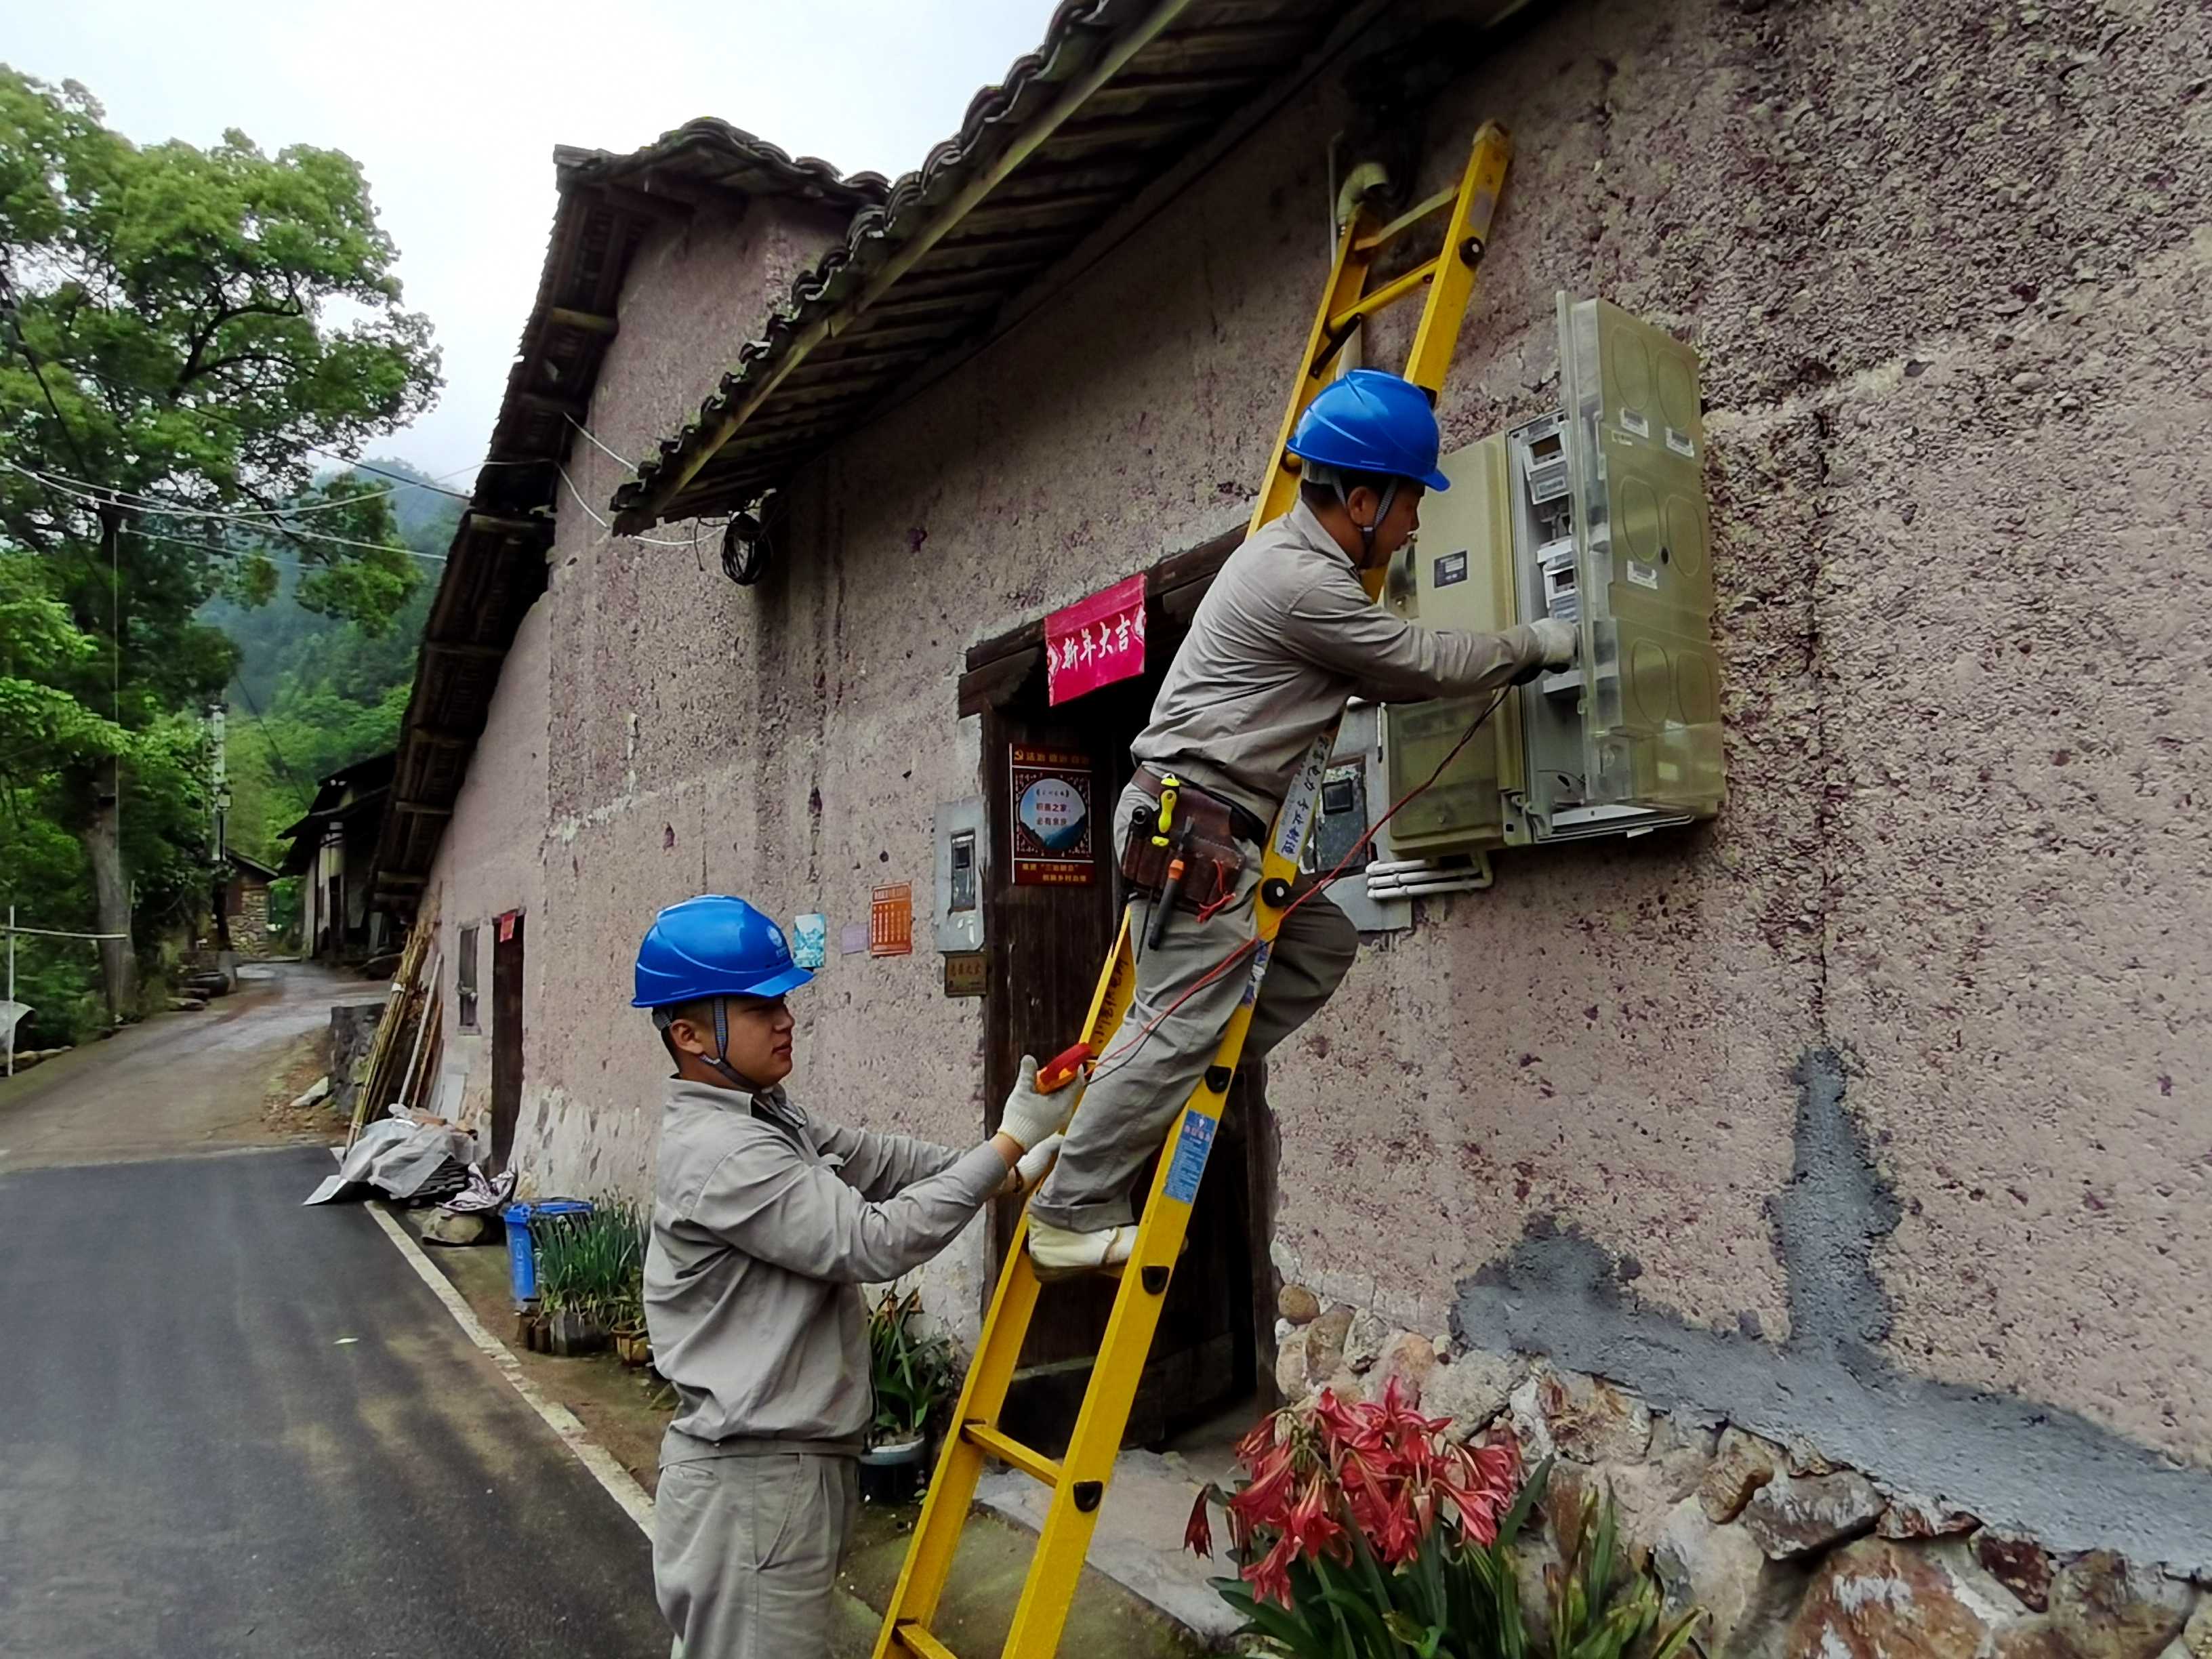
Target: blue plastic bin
pixel 521 1250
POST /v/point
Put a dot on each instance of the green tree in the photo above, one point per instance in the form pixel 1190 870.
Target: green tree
pixel 312 693
pixel 188 330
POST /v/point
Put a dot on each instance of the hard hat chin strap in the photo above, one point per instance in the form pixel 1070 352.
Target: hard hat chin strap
pixel 1367 531
pixel 665 1017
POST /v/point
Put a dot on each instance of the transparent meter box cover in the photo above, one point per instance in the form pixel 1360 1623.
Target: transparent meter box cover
pixel 1642 537
pixel 1458 575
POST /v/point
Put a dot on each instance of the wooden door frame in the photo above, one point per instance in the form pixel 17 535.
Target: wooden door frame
pixel 506 1034
pixel 1008 669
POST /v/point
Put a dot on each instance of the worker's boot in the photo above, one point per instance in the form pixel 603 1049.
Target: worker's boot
pixel 1063 1253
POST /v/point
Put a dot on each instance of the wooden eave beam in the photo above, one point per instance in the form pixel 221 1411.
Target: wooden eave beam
pixel 591 322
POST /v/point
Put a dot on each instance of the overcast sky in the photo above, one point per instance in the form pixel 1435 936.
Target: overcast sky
pixel 453 111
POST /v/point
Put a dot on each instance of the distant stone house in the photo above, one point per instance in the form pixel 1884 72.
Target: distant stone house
pixel 334 851
pixel 245 899
pixel 1868 1118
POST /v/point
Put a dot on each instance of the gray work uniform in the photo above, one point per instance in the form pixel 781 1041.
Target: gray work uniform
pixel 1283 640
pixel 765 1223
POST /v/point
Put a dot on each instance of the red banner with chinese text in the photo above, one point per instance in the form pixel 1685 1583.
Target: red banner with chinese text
pixel 1096 642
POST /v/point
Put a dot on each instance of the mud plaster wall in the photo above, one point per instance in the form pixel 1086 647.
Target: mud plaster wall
pixel 488 862
pixel 1946 269
pixel 653 730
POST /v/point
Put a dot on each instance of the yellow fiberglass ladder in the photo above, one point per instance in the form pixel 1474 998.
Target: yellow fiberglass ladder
pixel 1078 1480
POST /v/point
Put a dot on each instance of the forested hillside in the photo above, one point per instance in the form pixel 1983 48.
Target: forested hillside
pixel 314 693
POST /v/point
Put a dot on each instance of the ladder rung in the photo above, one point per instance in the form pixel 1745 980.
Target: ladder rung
pixel 920 1643
pixel 1406 220
pixel 1033 1464
pixel 1388 294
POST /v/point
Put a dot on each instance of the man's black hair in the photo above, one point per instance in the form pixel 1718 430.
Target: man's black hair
pixel 699 1011
pixel 1316 493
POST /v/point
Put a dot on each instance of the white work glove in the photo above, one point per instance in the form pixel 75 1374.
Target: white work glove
pixel 1559 640
pixel 1030 1117
pixel 1033 1166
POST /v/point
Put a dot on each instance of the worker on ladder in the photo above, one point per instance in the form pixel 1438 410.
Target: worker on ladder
pixel 1286 636
pixel 766 1221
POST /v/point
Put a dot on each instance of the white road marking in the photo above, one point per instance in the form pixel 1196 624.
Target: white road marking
pixel 620 1484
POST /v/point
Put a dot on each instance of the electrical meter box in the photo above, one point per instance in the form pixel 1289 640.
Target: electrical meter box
pixel 1594 515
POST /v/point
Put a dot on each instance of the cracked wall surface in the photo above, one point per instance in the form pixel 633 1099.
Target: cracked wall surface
pixel 1946 267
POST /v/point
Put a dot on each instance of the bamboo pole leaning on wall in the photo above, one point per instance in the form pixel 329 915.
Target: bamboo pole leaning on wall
pixel 420 1026
pixel 416 1087
pixel 402 1007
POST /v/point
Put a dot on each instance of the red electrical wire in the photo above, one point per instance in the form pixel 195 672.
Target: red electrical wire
pixel 1119 1059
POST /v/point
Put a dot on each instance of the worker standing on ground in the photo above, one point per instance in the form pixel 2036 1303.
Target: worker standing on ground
pixel 1286 636
pixel 765 1223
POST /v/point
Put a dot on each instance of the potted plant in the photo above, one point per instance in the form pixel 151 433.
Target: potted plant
pixel 632 1347
pixel 913 1377
pixel 590 1275
pixel 1362 1532
pixel 625 1302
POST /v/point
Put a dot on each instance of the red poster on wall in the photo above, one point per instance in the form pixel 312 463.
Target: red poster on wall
pixel 890 921
pixel 1096 642
pixel 1051 796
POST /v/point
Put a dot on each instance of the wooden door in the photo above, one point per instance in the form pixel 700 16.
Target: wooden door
pixel 506 1037
pixel 1046 944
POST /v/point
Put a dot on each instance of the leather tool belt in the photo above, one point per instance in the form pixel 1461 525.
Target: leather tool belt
pixel 1210 835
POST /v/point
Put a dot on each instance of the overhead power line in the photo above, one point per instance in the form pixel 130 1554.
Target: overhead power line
pixel 261 724
pixel 38 374
pixel 650 541
pixel 98 496
pixel 257 552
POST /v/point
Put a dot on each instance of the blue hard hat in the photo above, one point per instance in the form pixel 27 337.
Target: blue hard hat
pixel 713 946
pixel 1370 422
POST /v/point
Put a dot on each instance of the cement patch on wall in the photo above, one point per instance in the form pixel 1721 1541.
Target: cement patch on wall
pixel 2017 1464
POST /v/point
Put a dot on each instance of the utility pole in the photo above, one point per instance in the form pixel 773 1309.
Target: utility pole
pixel 219 794
pixel 103 833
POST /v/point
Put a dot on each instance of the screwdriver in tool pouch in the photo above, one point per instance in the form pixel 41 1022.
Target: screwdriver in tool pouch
pixel 1163 907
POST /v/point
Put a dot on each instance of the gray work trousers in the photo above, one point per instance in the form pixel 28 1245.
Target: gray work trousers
pixel 1125 1113
pixel 745 1552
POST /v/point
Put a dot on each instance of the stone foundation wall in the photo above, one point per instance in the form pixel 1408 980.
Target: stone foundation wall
pixel 353 1033
pixel 1792 1554
pixel 249 923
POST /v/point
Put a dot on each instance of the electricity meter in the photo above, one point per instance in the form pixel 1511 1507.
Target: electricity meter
pixel 1593 515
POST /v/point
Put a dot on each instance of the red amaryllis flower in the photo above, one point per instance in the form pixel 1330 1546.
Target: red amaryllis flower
pixel 1258 1441
pixel 1479 1482
pixel 1370 1507
pixel 1268 1499
pixel 1311 1527
pixel 1397 1536
pixel 1270 1577
pixel 1198 1532
pixel 1356 1469
pixel 1339 1422
pixel 1323 1473
pixel 1400 1417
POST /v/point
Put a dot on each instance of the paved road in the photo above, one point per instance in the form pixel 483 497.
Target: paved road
pixel 230 1425
pixel 178 1083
